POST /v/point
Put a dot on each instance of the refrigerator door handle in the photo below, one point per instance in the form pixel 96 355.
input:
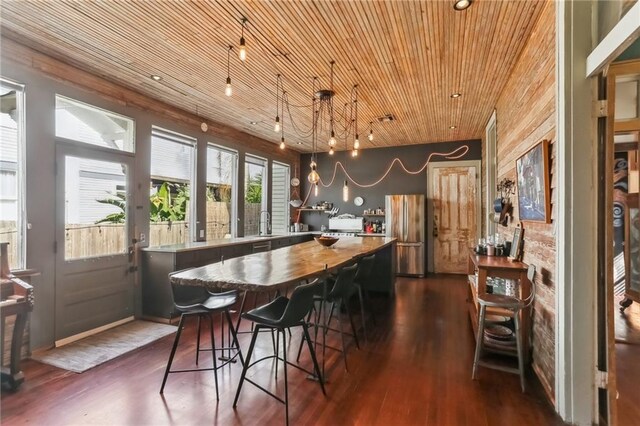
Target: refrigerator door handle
pixel 405 210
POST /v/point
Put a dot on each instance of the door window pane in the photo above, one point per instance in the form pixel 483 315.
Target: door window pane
pixel 12 172
pixel 279 198
pixel 221 178
pixel 95 200
pixel 171 195
pixel 255 198
pixel 85 123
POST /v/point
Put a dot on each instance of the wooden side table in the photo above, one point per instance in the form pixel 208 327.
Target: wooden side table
pixel 502 267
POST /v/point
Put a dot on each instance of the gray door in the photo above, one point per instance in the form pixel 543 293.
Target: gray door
pixel 93 284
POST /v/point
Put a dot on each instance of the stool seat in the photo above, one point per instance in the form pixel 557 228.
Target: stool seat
pixel 500 301
pixel 269 314
pixel 212 303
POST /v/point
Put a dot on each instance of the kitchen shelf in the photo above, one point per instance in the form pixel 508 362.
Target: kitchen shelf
pixel 314 210
pixel 373 215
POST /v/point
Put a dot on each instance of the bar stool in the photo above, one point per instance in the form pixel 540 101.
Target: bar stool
pixel 338 296
pixel 365 268
pixel 280 315
pixel 515 305
pixel 198 302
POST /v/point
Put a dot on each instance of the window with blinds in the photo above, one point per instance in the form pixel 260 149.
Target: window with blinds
pixel 279 198
pixel 172 194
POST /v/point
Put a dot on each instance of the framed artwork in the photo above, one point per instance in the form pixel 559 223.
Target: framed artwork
pixel 532 171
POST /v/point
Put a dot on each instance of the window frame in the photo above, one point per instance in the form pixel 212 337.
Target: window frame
pixel 233 228
pixel 21 176
pixel 264 162
pixel 183 139
pixel 132 130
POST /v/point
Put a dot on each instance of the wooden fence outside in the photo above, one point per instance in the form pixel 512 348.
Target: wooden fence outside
pixel 88 240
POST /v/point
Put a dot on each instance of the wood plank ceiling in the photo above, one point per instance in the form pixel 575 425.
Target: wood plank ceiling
pixel 407 58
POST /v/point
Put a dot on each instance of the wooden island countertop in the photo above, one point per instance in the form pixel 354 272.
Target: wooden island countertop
pixel 277 269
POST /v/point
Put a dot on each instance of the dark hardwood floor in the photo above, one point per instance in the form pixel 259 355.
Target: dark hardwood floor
pixel 415 370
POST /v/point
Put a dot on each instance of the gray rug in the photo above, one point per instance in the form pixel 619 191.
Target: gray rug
pixel 102 347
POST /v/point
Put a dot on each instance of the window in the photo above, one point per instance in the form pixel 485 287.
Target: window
pixel 222 174
pixel 173 159
pixel 12 200
pixel 279 198
pixel 85 123
pixel 255 194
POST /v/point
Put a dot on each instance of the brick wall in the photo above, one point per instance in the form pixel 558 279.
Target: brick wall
pixel 525 114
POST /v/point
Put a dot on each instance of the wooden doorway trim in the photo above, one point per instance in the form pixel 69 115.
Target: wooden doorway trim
pixel 430 239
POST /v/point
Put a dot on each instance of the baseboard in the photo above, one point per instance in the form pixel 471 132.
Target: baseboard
pixel 170 321
pixel 545 385
pixel 88 333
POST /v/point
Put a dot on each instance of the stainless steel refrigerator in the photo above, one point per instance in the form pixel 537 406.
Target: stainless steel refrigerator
pixel 405 220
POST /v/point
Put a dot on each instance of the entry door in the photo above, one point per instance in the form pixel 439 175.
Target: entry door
pixel 455 222
pixel 94 286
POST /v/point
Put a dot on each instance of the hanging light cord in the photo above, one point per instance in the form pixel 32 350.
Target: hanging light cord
pixel 453 155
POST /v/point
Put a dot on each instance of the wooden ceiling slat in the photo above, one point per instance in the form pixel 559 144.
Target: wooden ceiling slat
pixel 406 57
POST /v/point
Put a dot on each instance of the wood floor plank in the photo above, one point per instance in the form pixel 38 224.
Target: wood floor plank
pixel 415 370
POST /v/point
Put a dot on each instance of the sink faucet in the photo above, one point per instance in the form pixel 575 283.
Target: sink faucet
pixel 268 223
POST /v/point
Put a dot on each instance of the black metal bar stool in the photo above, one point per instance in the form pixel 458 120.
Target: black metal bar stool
pixel 360 282
pixel 280 315
pixel 337 298
pixel 515 305
pixel 198 302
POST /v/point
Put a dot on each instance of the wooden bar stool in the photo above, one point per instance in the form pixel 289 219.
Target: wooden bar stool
pixel 515 305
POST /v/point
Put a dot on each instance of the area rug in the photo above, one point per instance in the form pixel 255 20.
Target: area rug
pixel 102 347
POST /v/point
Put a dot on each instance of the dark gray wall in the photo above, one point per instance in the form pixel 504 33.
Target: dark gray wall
pixel 368 167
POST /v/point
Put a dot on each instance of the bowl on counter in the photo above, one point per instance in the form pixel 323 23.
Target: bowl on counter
pixel 326 241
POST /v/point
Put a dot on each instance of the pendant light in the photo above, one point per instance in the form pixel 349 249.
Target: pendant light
pixel 315 191
pixel 356 142
pixel 228 91
pixel 370 131
pixel 332 140
pixel 345 192
pixel 242 51
pixel 276 126
pixel 282 144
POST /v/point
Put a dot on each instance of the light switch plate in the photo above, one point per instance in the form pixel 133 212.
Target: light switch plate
pixel 202 233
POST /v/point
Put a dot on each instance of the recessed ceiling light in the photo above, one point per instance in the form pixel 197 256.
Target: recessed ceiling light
pixel 462 4
pixel 299 143
pixel 156 77
pixel 456 95
pixel 254 123
pixel 453 127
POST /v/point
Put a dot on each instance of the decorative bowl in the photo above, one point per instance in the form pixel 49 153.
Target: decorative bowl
pixel 326 241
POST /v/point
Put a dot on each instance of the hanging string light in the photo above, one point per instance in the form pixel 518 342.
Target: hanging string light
pixel 332 139
pixel 314 177
pixel 227 89
pixel 242 51
pixel 276 127
pixel 356 142
pixel 282 144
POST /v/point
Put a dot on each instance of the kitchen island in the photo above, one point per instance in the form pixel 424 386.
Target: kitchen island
pixel 158 262
pixel 281 268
